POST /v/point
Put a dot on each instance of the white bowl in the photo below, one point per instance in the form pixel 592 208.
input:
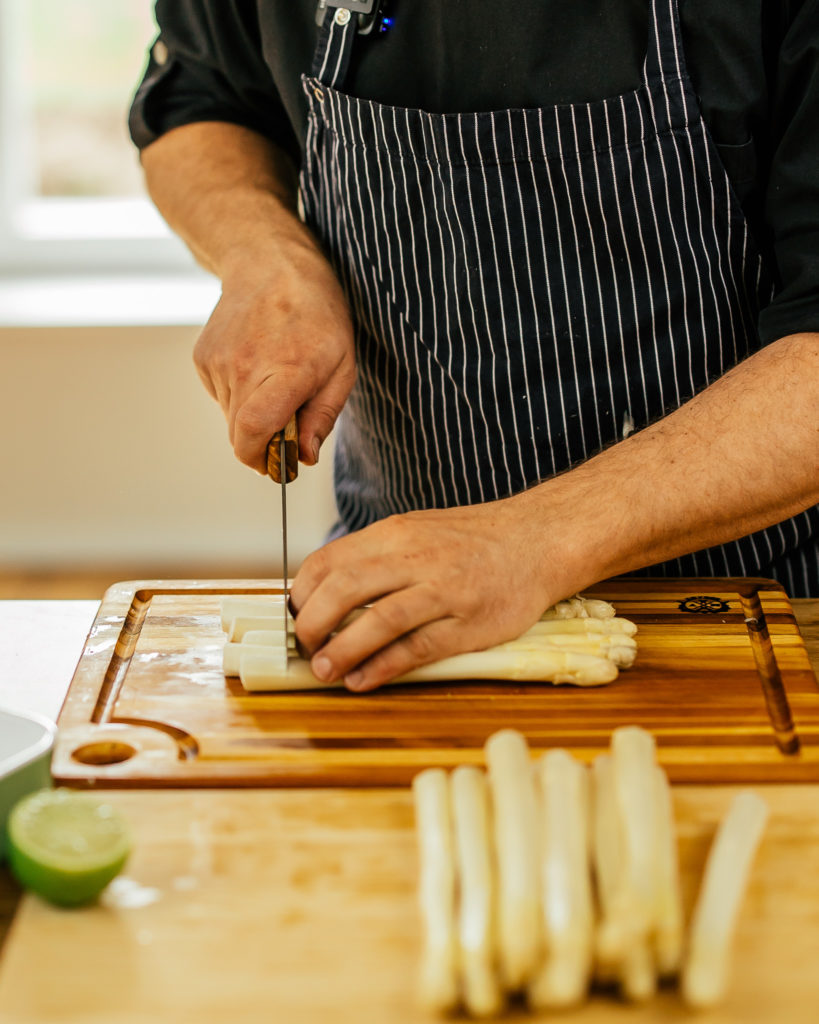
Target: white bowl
pixel 25 759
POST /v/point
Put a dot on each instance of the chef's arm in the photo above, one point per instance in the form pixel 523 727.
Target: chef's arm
pixel 280 338
pixel 742 455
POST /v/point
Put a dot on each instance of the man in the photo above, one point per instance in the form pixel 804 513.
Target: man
pixel 573 336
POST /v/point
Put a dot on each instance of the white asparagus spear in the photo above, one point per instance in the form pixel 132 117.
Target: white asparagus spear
pixel 620 649
pixel 253 638
pixel 259 664
pixel 437 988
pixel 706 970
pixel 268 638
pixel 480 985
pixel 585 626
pixel 634 761
pixel 638 974
pixel 568 918
pixel 511 781
pixel 528 665
pixel 232 653
pixel 241 624
pixel 233 605
pixel 669 933
pixel 580 607
pixel 543 666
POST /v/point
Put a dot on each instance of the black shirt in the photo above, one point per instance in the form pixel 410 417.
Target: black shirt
pixel 754 65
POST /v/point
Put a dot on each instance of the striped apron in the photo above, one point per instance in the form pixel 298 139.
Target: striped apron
pixel 530 286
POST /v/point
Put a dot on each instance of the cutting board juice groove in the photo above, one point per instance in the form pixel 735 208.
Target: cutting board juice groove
pixel 722 680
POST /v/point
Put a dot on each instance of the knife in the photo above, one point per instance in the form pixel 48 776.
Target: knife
pixel 282 468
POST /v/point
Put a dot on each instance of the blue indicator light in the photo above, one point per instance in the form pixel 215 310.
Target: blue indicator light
pixel 385 24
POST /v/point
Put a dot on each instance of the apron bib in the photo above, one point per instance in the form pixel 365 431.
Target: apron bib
pixel 529 287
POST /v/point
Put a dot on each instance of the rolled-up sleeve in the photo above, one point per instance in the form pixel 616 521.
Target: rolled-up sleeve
pixel 207 65
pixel 792 202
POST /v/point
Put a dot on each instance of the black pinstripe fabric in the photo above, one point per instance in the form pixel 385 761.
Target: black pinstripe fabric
pixel 529 286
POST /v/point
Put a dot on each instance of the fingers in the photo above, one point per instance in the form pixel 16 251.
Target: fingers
pixel 397 616
pixel 255 418
pixel 437 583
pixel 433 641
pixel 352 583
pixel 256 414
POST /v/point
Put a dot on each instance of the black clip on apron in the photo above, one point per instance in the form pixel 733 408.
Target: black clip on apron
pixel 529 286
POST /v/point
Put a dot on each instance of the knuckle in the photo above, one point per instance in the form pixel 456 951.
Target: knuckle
pixel 252 422
pixel 247 459
pixel 203 356
pixel 395 526
pixel 387 664
pixel 392 617
pixel 243 366
pixel 324 417
pixel 316 565
pixel 342 582
pixel 309 634
pixel 421 647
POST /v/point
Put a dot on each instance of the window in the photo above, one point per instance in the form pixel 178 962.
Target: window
pixel 71 195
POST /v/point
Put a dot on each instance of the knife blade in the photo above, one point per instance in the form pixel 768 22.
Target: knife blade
pixel 282 468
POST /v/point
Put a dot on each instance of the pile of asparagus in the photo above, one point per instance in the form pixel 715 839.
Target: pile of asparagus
pixel 545 878
pixel 579 641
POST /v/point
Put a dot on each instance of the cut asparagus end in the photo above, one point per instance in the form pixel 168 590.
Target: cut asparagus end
pixel 580 607
pixel 241 605
pixel 240 625
pixel 258 665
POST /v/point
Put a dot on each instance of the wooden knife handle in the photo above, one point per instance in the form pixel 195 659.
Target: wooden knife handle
pixel 291 453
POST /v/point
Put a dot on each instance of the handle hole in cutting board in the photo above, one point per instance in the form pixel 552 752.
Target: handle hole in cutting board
pixel 104 752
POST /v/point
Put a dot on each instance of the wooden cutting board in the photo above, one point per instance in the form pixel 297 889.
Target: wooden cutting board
pixel 722 680
pixel 299 907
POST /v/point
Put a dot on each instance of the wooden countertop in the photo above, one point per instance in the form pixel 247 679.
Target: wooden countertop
pixel 299 906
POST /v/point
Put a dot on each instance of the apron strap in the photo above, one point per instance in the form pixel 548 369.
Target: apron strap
pixel 664 59
pixel 331 59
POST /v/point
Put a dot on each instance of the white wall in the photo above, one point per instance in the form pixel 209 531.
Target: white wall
pixel 113 453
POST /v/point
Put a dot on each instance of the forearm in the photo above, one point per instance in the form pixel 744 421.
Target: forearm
pixel 280 339
pixel 228 192
pixel 740 456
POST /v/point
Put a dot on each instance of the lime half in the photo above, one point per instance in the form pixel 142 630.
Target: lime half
pixel 66 846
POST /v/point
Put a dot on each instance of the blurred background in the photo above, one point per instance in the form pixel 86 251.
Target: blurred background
pixel 114 462
pixel 80 62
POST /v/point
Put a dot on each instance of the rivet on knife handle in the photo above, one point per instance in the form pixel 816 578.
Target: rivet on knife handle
pixel 291 448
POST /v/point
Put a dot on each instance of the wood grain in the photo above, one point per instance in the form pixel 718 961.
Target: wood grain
pixel 291 453
pixel 299 907
pixel 807 613
pixel 149 696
